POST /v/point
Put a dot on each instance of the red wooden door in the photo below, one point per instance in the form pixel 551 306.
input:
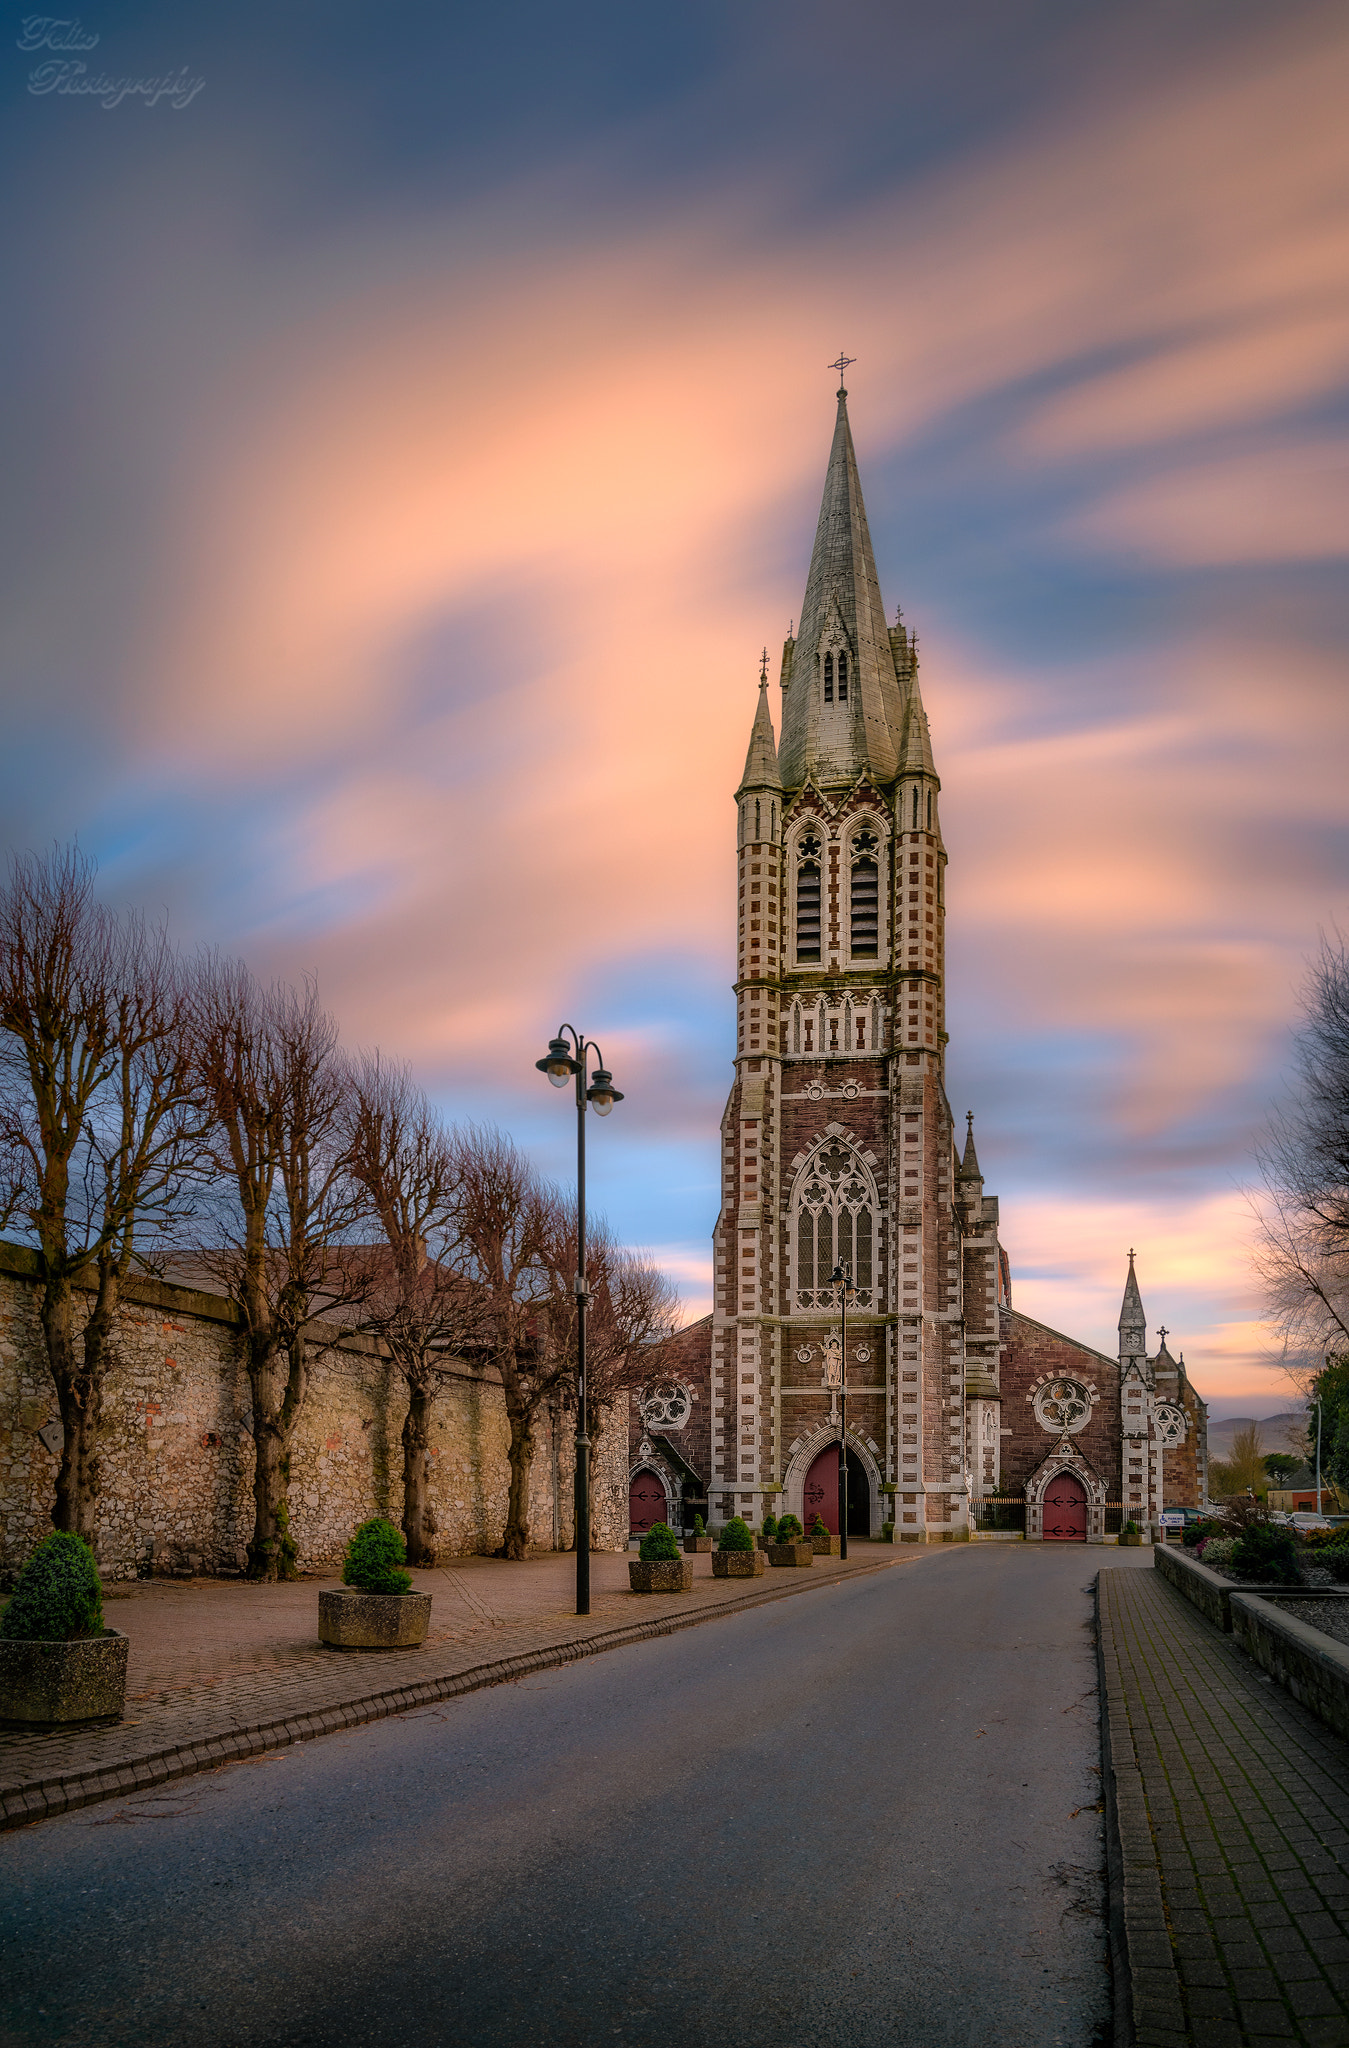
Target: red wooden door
pixel 1065 1517
pixel 646 1502
pixel 821 1492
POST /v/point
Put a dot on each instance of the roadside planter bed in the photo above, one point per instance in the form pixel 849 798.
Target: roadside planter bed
pixel 1211 1591
pixel 375 1608
pixel 59 1666
pixel 1277 1626
pixel 658 1567
pixel 737 1556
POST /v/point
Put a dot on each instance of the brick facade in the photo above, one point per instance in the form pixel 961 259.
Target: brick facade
pixel 838 1140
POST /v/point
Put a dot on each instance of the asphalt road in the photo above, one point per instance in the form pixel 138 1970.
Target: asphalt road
pixel 866 1815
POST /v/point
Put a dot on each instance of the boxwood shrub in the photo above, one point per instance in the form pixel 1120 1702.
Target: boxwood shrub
pixel 58 1595
pixel 770 1528
pixel 1266 1554
pixel 374 1559
pixel 736 1536
pixel 658 1546
pixel 790 1530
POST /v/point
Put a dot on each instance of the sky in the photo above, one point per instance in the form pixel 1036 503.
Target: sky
pixel 414 419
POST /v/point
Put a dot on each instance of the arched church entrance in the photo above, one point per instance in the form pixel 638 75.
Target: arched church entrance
pixel 1065 1511
pixel 819 1496
pixel 646 1502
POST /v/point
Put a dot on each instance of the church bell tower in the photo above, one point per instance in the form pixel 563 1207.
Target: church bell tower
pixel 837 1142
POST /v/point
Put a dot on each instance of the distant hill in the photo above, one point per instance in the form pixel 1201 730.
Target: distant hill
pixel 1273 1431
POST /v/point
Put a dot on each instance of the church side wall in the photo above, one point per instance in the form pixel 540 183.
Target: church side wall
pixel 177 1455
pixel 1034 1353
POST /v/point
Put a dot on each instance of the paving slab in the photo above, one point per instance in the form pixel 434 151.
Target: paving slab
pixel 219 1669
pixel 1228 1805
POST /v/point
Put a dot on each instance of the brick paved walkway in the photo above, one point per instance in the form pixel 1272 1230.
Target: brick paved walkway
pixel 1230 1865
pixel 218 1669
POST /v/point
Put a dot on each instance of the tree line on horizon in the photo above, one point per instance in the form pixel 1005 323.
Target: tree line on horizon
pixel 157 1112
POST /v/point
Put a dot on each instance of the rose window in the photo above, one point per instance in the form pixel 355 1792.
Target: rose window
pixel 1170 1424
pixel 666 1407
pixel 1062 1404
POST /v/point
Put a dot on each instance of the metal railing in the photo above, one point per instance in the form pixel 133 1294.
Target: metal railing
pixel 995 1513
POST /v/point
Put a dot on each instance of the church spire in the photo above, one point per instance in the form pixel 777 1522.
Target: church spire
pixel 826 733
pixel 969 1165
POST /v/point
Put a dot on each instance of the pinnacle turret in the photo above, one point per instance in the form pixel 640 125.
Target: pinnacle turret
pixel 1131 1314
pixel 969 1165
pixel 843 709
pixel 761 760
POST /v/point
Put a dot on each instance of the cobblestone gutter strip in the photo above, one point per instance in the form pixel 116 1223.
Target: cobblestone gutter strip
pixel 43 1799
pixel 1148 2008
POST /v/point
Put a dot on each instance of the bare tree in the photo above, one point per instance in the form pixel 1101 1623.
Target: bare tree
pixel 632 1309
pixel 1302 1209
pixel 504 1220
pixel 282 1239
pixel 423 1303
pixel 98 1129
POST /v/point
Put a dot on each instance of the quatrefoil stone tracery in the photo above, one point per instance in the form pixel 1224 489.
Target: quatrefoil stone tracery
pixel 1063 1404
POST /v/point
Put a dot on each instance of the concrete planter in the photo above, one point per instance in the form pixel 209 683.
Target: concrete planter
pixel 826 1546
pixel 349 1620
pixel 1135 1542
pixel 63 1684
pixel 694 1546
pixel 662 1575
pixel 790 1553
pixel 737 1564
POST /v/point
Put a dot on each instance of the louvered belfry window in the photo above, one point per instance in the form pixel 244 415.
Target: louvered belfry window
pixel 866 900
pixel 808 910
pixel 843 679
pixel 828 678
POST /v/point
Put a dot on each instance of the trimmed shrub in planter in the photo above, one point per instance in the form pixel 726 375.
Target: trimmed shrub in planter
pixel 1131 1534
pixel 737 1556
pixel 821 1542
pixel 790 1530
pixel 887 1532
pixel 795 1553
pixel 377 1609
pixel 58 1664
pixel 659 1568
pixel 699 1540
pixel 768 1533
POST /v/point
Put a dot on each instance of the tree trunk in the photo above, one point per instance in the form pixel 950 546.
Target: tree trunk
pixel 79 1396
pixel 418 1520
pixel 521 1455
pixel 271 1554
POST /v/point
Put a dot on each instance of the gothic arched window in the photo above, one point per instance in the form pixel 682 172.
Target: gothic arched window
pixel 833 1223
pixel 929 810
pixel 828 678
pixel 915 807
pixel 843 679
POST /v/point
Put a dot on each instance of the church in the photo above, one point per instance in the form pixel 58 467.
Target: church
pixel 840 1154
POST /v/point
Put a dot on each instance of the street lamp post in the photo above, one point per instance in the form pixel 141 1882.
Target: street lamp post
pixel 560 1065
pixel 1318 1454
pixel 841 1277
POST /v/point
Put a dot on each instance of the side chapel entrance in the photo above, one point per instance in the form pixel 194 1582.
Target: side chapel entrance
pixel 1065 1510
pixel 646 1502
pixel 819 1496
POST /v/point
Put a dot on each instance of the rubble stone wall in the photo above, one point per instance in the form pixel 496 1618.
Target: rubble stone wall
pixel 176 1450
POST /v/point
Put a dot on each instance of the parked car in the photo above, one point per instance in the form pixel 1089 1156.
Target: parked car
pixel 1304 1520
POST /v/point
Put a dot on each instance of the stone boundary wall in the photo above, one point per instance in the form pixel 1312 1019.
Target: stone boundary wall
pixel 1209 1590
pixel 1314 1667
pixel 176 1446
